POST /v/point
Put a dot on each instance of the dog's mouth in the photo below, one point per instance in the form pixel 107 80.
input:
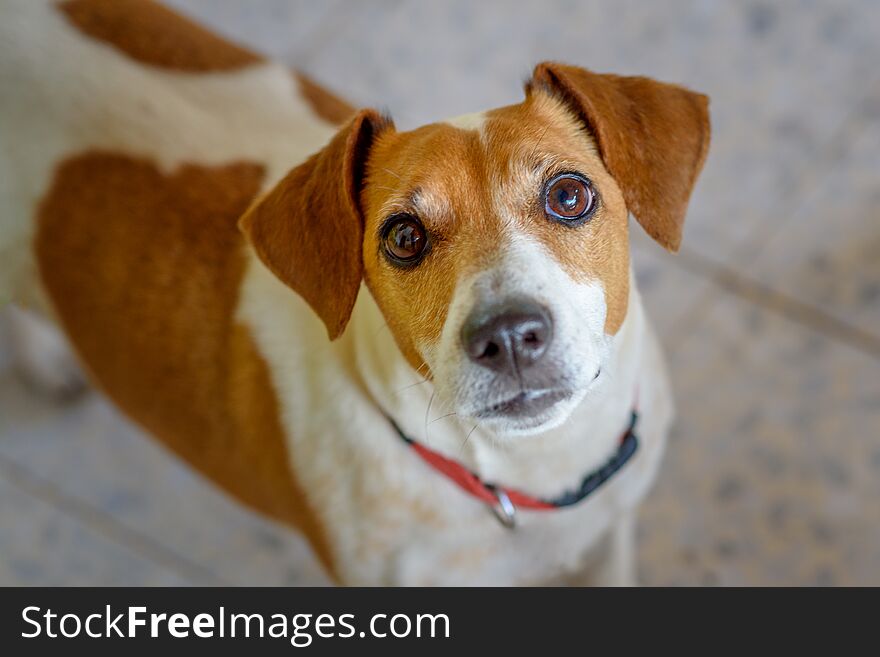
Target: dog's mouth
pixel 527 403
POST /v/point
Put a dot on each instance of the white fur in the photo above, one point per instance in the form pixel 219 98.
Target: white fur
pixel 41 354
pixel 472 121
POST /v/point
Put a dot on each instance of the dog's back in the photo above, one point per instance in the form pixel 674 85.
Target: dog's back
pixel 133 79
pixel 133 140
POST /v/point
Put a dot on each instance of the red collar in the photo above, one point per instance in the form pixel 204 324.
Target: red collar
pixel 504 501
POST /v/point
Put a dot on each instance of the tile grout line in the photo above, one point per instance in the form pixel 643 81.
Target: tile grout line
pixel 769 299
pixel 750 249
pixel 104 524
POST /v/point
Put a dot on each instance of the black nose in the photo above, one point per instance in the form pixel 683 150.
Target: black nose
pixel 508 338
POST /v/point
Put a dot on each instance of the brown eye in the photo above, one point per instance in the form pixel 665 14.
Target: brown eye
pixel 404 239
pixel 569 197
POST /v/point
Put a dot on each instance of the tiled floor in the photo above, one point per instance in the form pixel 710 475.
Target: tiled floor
pixel 771 315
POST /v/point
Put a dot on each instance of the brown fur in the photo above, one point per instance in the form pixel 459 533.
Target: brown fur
pixel 153 34
pixel 143 271
pixel 434 160
pixel 326 105
pixel 653 137
pixel 308 230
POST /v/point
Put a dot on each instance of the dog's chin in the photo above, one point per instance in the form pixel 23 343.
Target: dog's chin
pixel 529 413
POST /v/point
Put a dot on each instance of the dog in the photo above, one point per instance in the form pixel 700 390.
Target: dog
pixel 424 350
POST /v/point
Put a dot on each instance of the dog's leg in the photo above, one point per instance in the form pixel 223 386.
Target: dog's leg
pixel 42 355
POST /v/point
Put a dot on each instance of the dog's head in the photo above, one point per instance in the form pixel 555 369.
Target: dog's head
pixel 495 244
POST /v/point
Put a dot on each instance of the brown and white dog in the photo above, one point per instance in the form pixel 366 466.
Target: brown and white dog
pixel 473 277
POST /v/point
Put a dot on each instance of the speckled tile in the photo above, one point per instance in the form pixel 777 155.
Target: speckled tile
pixel 94 455
pixel 667 287
pixel 281 29
pixel 771 475
pixel 5 356
pixel 829 255
pixel 40 545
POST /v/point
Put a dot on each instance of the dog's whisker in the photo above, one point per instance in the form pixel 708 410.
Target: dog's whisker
pixel 411 385
pixel 390 172
pixel 428 413
pixel 468 437
pixel 442 417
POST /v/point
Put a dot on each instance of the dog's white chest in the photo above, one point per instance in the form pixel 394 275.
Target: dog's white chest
pixel 390 517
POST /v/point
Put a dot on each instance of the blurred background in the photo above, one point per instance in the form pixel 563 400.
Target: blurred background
pixel 770 315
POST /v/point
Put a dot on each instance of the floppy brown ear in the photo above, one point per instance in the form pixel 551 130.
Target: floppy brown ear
pixel 652 136
pixel 308 230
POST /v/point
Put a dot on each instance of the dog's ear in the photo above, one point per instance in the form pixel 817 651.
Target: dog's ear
pixel 652 136
pixel 308 230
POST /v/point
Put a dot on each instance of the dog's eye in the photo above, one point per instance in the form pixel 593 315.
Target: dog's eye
pixel 569 198
pixel 404 239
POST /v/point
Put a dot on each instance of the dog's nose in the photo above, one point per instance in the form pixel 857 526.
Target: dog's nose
pixel 508 338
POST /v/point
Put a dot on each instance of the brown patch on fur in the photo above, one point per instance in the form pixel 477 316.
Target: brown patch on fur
pixel 437 160
pixel 653 137
pixel 326 105
pixel 153 34
pixel 308 230
pixel 143 270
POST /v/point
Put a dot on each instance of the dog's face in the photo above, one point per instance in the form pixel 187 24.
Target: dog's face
pixel 496 244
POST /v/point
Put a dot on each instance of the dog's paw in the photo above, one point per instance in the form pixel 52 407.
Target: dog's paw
pixel 42 357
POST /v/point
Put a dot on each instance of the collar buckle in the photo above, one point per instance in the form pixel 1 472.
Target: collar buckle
pixel 504 510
